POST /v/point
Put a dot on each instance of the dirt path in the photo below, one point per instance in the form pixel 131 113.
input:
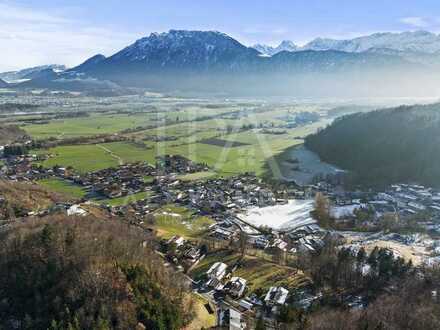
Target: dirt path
pixel 112 154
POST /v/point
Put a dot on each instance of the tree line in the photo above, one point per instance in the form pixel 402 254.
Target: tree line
pixel 384 146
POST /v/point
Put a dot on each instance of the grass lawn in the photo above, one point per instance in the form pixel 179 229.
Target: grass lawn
pixel 64 187
pixel 202 319
pixel 87 126
pixel 89 158
pixel 251 158
pixel 174 220
pixel 84 158
pixel 131 153
pixel 197 176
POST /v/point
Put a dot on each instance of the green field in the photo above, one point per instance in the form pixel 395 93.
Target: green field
pixel 189 122
pixel 172 220
pixel 84 158
pixel 89 158
pixel 64 187
pixel 223 160
pixel 87 126
pixel 197 176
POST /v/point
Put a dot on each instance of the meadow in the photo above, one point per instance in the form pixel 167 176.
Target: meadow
pixel 96 124
pixel 230 137
pixel 252 154
pixel 95 157
pixel 64 187
pixel 171 220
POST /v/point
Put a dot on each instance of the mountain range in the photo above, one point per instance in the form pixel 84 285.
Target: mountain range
pixel 210 61
pixel 30 73
pixel 285 45
pixel 413 42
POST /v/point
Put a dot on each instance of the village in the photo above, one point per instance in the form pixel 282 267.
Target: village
pixel 233 203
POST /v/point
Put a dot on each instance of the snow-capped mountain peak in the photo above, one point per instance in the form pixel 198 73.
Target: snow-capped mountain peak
pixel 414 41
pixel 285 45
pixel 180 48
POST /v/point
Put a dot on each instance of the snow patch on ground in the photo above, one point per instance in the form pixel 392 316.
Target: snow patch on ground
pixel 295 213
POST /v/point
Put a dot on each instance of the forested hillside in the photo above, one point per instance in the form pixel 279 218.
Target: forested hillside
pixel 384 146
pixel 85 273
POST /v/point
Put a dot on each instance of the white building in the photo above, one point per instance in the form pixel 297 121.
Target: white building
pixel 178 240
pixel 217 271
pixel 235 322
pixel 276 296
pixel 76 210
pixel 236 286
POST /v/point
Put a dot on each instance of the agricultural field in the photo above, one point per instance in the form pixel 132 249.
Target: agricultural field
pixel 231 137
pixel 96 124
pixel 94 157
pixel 242 152
pixel 83 158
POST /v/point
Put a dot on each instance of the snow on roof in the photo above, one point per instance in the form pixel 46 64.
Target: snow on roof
pixel 76 210
pixel 217 270
pixel 276 295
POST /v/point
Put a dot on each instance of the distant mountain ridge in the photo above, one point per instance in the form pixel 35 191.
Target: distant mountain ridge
pixel 417 41
pixel 30 73
pixel 177 49
pixel 413 41
pixel 211 61
pixel 206 52
pixel 285 45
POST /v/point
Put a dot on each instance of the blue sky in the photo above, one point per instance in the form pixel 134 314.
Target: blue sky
pixel 34 32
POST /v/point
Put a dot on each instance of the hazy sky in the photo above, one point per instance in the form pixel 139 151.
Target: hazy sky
pixel 34 32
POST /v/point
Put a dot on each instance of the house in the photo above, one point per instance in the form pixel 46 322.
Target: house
pixel 245 304
pixel 276 296
pixel 223 233
pixel 76 210
pixel 235 322
pixel 236 287
pixel 260 242
pixel 177 240
pixel 229 318
pixel 216 272
pixel 193 254
pixel 280 244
